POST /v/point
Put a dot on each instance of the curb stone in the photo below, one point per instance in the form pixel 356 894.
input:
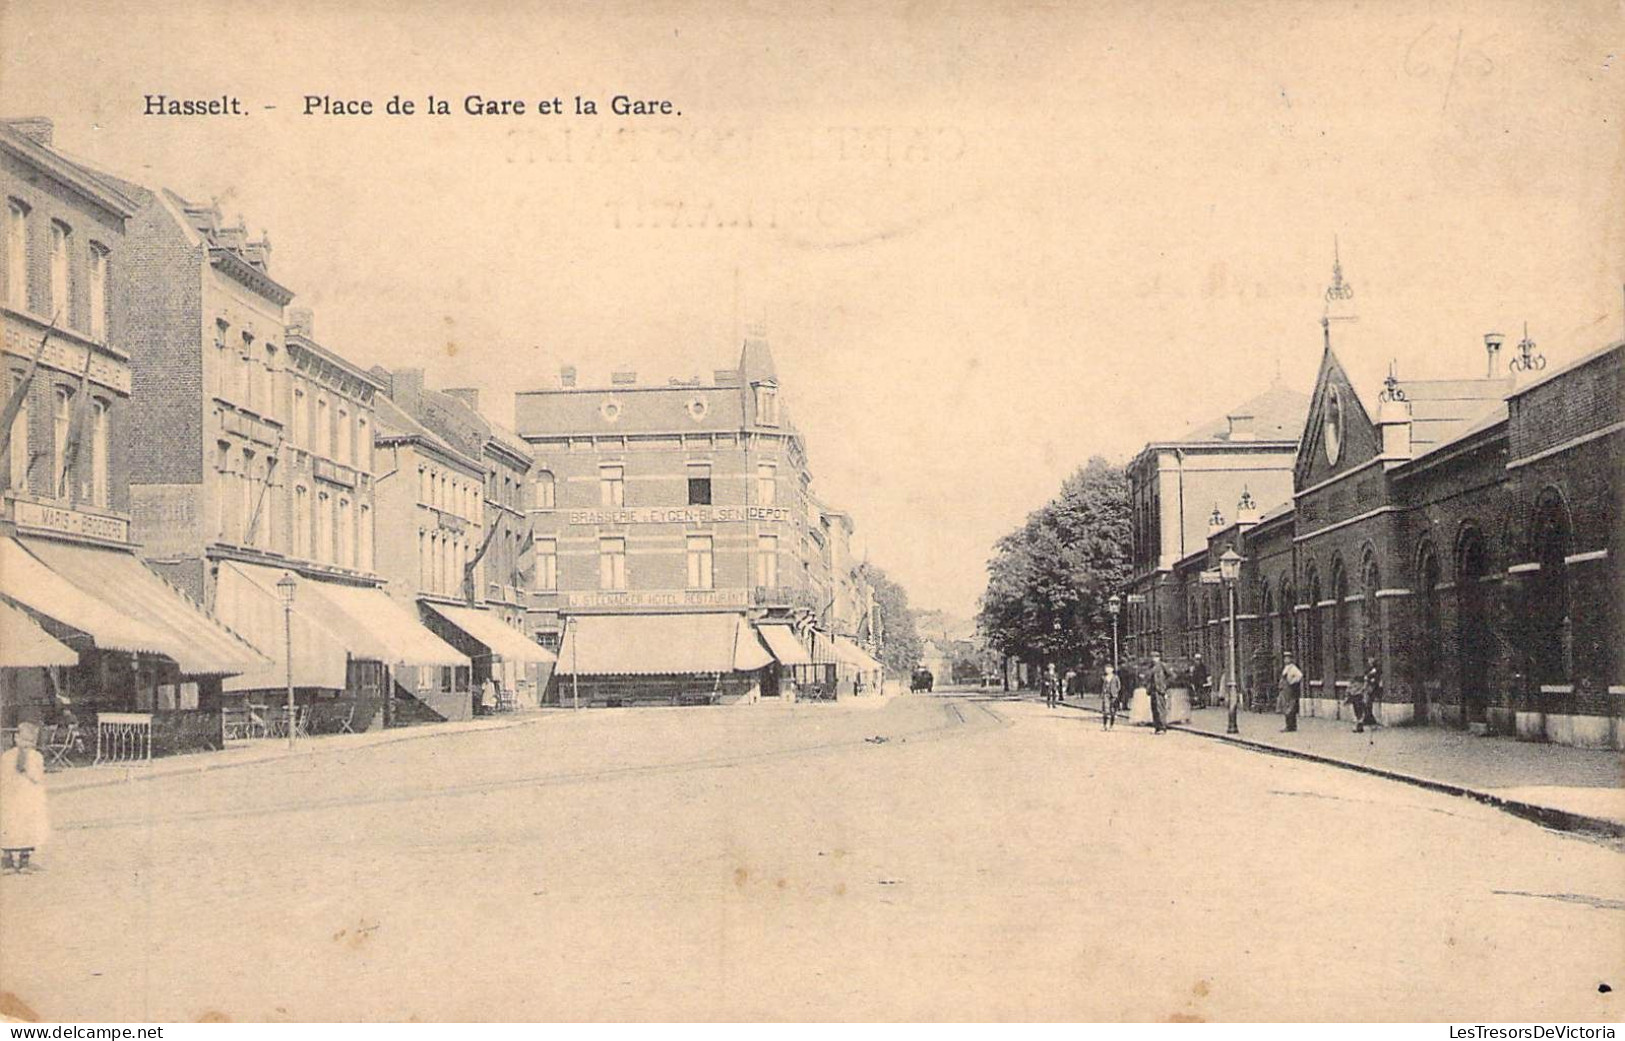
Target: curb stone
pixel 1547 816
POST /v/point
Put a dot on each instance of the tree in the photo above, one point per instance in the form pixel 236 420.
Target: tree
pixel 900 643
pixel 1049 580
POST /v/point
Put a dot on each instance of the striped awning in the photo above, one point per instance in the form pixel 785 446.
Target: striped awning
pixel 23 644
pixel 785 645
pixel 660 644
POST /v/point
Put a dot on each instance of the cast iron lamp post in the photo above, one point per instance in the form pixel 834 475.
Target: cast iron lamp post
pixel 286 587
pixel 1113 606
pixel 1230 572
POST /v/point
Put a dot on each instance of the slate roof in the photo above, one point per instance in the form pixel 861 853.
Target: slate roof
pixel 1278 415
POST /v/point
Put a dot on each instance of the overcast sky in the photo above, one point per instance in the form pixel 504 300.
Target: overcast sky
pixel 988 241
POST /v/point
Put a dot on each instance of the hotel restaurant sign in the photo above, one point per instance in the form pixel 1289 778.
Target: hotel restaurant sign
pixel 679 515
pixel 646 598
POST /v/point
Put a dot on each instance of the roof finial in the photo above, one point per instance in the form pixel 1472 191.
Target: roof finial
pixel 1391 389
pixel 1528 359
pixel 1339 289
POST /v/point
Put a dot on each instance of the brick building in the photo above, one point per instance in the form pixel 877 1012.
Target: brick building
pixel 252 459
pixel 1175 487
pixel 134 643
pixel 671 523
pixel 450 521
pixel 1461 534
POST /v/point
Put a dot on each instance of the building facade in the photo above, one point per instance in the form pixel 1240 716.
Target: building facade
pixel 1460 535
pixel 689 498
pixel 136 645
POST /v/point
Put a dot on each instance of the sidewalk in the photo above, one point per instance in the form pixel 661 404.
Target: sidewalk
pixel 249 753
pixel 1572 788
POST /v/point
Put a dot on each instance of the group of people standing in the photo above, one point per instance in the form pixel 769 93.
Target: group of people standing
pixel 1142 692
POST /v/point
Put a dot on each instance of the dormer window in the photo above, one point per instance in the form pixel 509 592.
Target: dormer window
pixel 767 404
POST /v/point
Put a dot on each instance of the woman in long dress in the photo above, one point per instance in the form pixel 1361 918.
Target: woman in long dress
pixel 25 824
pixel 1139 706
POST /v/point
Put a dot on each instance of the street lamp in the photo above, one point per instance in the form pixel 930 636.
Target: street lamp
pixel 575 661
pixel 1113 607
pixel 286 586
pixel 1230 572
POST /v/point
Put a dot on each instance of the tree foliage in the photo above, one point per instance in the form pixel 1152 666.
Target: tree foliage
pixel 1049 580
pixel 900 643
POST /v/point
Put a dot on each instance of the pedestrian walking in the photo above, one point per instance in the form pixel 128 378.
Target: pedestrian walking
pixel 1291 692
pixel 1052 686
pixel 1130 678
pixel 1201 682
pixel 1373 693
pixel 1160 681
pixel 25 824
pixel 1111 688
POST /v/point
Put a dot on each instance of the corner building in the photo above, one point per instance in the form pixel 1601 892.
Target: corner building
pixel 670 526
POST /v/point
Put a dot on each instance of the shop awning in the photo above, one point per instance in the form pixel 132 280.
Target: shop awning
pixel 181 629
pixel 331 624
pixel 855 656
pixel 660 644
pixel 785 645
pixel 26 579
pixel 24 645
pixel 502 639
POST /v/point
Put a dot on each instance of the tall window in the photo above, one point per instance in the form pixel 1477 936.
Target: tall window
pixel 301 521
pixel 612 563
pixel 423 485
pixel 98 448
pixel 301 417
pixel 546 492
pixel 767 483
pixel 346 540
pixel 423 559
pixel 324 430
pixel 324 528
pixel 19 441
pixel 365 522
pixel 98 291
pixel 363 440
pixel 249 497
pixel 222 360
pixel 61 305
pixel 699 484
pixel 547 564
pixel 17 254
pixel 223 493
pixel 341 451
pixel 612 486
pixel 699 562
pixel 61 424
pixel 767 404
pixel 437 564
pixel 250 367
pixel 767 561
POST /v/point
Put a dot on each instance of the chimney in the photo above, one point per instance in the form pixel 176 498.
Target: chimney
pixel 567 377
pixel 1492 346
pixel 38 129
pixel 469 396
pixel 302 322
pixel 1394 414
pixel 1242 427
pixel 406 387
pixel 623 378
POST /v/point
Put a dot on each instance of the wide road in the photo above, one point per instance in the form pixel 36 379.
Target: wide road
pixel 989 859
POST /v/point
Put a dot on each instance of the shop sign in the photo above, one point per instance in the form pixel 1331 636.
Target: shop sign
pixel 60 521
pixel 656 598
pixel 680 515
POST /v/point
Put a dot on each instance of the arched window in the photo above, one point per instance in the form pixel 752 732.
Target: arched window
pixel 1315 646
pixel 1473 623
pixel 545 491
pixel 1430 660
pixel 1341 664
pixel 1370 615
pixel 1287 607
pixel 1547 613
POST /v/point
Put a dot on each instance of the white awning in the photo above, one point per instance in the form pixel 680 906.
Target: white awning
pixel 24 645
pixel 660 644
pixel 785 645
pixel 502 639
pixel 121 585
pixel 332 623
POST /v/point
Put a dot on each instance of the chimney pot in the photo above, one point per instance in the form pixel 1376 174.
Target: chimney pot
pixel 1492 347
pixel 567 376
pixel 302 322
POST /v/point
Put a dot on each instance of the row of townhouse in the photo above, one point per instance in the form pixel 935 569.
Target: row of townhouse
pixel 1462 535
pixel 204 504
